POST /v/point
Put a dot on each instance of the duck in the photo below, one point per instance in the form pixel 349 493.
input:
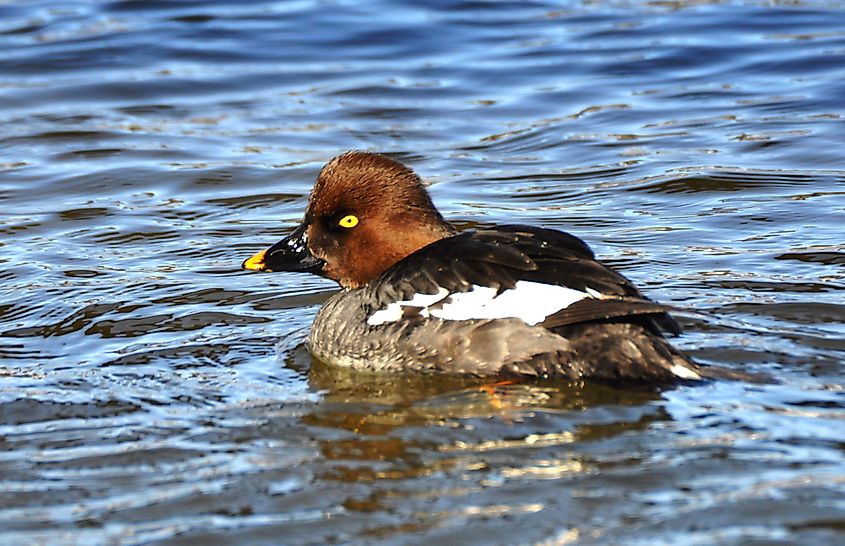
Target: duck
pixel 417 295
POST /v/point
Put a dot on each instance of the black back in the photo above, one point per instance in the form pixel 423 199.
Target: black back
pixel 500 257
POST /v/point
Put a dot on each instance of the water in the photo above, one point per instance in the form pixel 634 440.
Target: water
pixel 151 392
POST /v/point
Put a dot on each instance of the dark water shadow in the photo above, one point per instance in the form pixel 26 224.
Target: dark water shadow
pixel 416 406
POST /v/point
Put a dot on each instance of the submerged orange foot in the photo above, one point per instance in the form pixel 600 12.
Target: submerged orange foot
pixel 496 399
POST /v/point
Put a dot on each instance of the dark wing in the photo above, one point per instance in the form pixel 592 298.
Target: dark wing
pixel 500 257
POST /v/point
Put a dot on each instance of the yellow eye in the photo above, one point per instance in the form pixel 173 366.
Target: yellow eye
pixel 348 221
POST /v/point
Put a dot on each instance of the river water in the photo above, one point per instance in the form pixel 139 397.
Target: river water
pixel 152 392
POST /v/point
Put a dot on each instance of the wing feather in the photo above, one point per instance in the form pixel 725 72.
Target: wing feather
pixel 500 257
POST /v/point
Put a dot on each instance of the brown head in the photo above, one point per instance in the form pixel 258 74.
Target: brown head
pixel 366 212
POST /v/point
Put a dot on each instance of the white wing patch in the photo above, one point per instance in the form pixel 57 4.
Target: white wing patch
pixel 393 311
pixel 684 372
pixel 529 301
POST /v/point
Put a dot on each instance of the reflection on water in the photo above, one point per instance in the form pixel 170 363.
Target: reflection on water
pixel 150 391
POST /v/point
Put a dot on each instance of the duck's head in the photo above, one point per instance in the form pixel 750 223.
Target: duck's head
pixel 366 212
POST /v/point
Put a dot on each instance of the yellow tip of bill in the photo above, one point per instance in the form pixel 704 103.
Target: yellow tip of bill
pixel 256 263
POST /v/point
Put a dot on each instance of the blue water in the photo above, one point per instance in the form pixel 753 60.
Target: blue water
pixel 152 392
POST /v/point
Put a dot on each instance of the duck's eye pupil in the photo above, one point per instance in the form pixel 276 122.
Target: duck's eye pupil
pixel 348 221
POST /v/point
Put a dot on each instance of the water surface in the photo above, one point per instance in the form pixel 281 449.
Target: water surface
pixel 151 392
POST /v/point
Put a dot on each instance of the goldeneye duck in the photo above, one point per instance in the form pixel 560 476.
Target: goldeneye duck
pixel 417 295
